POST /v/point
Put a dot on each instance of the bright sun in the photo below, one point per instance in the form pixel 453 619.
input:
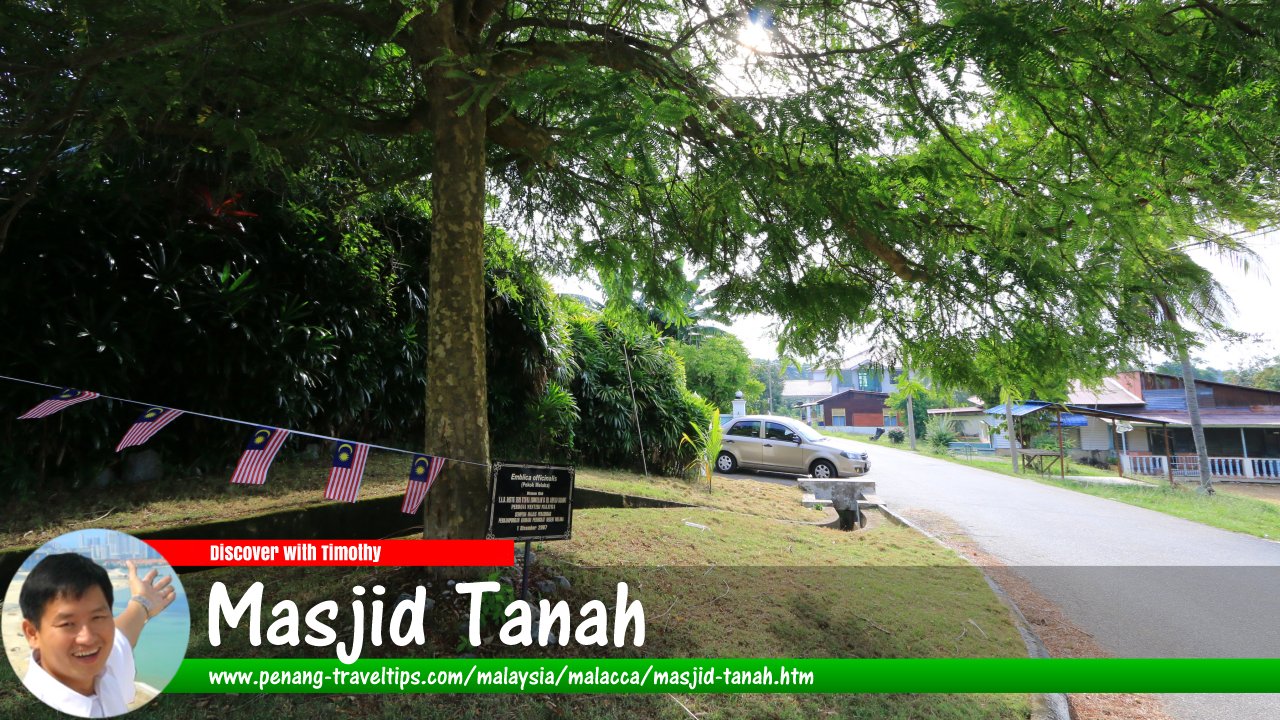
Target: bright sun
pixel 754 36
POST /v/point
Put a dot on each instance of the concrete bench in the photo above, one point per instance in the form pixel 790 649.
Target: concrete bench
pixel 847 495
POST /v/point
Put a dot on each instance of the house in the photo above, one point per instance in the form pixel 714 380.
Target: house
pixel 807 387
pixel 969 422
pixel 1241 426
pixel 860 411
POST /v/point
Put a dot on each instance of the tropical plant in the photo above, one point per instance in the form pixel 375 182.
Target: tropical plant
pixel 632 398
pixel 939 432
pixel 706 442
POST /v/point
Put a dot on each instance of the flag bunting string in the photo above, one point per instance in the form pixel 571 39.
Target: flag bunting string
pixel 255 425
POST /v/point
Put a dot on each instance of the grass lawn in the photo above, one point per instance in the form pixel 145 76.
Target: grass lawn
pixel 735 579
pixel 1222 509
pixel 1227 509
pixel 293 484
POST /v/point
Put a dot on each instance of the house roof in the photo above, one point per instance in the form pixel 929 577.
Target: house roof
pixel 853 391
pixel 967 410
pixel 1110 393
pixel 1256 416
pixel 806 388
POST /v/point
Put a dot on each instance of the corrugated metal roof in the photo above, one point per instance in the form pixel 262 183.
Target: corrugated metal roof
pixel 1260 416
pixel 806 388
pixel 1111 393
pixel 1018 410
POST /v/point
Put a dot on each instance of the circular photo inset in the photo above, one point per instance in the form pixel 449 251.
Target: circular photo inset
pixel 96 623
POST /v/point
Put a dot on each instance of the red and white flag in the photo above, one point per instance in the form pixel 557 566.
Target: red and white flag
pixel 422 473
pixel 61 401
pixel 257 456
pixel 151 422
pixel 348 468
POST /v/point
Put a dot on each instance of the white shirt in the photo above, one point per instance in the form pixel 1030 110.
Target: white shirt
pixel 113 688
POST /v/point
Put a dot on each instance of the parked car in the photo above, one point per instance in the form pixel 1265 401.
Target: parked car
pixel 781 444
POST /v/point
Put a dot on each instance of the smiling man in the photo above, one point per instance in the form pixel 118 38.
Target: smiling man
pixel 81 657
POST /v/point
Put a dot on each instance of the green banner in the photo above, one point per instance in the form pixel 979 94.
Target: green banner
pixel 729 675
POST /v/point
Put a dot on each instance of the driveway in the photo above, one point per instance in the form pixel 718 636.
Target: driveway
pixel 1142 583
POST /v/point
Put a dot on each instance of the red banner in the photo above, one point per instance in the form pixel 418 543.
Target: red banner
pixel 389 553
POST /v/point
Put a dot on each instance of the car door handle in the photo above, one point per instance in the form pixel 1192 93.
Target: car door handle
pixel 768 444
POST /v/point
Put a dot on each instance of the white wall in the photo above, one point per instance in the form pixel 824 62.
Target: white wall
pixel 1095 436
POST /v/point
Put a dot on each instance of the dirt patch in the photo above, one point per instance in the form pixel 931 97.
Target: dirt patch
pixel 1258 491
pixel 1060 637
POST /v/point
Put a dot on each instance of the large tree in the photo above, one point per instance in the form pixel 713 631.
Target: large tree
pixel 985 187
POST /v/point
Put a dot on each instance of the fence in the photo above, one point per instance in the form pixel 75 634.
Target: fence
pixel 1232 468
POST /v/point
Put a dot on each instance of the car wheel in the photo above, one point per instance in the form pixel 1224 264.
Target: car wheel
pixel 822 469
pixel 726 463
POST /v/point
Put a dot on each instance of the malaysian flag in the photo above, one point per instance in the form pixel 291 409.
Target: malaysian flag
pixel 258 454
pixel 348 467
pixel 422 473
pixel 150 423
pixel 62 400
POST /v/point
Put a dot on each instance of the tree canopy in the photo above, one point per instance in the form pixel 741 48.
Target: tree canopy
pixel 991 190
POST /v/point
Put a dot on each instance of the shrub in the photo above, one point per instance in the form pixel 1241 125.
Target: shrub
pixel 612 362
pixel 939 433
pixel 896 436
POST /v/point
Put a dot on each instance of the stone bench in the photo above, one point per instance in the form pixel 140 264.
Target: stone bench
pixel 847 495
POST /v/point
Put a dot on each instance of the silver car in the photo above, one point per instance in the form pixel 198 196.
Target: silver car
pixel 781 444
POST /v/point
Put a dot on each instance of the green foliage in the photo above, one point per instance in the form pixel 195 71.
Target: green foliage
pixel 897 436
pixel 706 441
pixel 1049 441
pixel 493 608
pixel 922 399
pixel 939 432
pixel 1261 373
pixel 717 368
pixel 249 305
pixel 995 191
pixel 770 376
pixel 614 362
pixel 1174 367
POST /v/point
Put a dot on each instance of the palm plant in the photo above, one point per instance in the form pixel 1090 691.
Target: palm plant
pixel 706 441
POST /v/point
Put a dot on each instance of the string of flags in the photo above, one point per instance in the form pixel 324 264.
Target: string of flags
pixel 345 474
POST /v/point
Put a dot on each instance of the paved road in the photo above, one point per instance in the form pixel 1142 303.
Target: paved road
pixel 1142 583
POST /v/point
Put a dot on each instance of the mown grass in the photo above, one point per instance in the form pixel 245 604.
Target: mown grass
pixel 175 502
pixel 760 498
pixel 1221 510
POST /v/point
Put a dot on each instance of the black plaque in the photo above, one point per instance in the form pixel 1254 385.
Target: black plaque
pixel 531 502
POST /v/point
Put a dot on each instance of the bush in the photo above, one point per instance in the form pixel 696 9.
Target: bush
pixel 896 436
pixel 251 307
pixel 939 433
pixel 611 362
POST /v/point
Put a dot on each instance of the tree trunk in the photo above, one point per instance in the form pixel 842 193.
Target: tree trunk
pixel 1193 400
pixel 457 423
pixel 1193 409
pixel 911 422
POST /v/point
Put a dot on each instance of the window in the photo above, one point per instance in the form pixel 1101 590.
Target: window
pixel 745 428
pixel 777 431
pixel 837 417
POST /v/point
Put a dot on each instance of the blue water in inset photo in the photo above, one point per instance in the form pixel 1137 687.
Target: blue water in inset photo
pixel 163 642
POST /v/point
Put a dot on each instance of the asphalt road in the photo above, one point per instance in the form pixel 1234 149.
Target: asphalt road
pixel 1142 583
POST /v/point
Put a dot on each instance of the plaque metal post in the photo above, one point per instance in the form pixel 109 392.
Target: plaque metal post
pixel 524 574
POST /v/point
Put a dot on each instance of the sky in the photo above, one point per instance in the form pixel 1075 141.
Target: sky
pixel 1255 293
